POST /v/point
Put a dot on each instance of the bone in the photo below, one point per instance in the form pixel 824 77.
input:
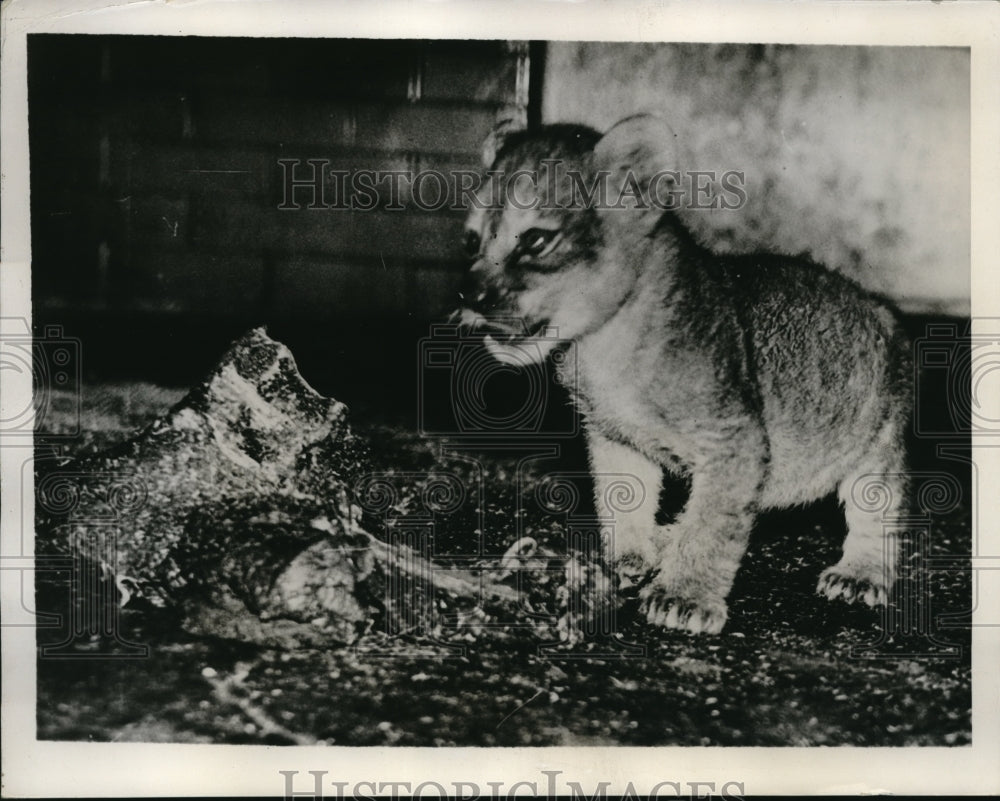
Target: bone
pixel 236 510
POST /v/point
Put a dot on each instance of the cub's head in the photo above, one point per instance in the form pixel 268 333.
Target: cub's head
pixel 551 234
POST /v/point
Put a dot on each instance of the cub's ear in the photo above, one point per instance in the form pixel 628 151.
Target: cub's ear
pixel 635 150
pixel 494 142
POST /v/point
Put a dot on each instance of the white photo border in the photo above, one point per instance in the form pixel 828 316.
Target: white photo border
pixel 33 768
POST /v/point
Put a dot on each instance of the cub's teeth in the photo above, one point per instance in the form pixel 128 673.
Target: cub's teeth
pixel 481 297
pixel 461 295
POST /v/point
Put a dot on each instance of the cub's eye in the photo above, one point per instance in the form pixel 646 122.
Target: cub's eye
pixel 472 243
pixel 535 240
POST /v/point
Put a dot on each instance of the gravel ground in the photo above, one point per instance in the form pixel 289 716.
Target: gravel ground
pixel 789 669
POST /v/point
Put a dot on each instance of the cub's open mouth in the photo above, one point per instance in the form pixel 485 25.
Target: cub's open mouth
pixel 512 329
pixel 499 328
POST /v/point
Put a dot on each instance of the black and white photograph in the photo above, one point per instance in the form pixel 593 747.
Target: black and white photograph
pixel 502 392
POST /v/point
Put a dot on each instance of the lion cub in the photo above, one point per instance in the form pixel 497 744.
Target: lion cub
pixel 768 380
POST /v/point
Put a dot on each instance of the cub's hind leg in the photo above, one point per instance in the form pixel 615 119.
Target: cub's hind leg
pixel 874 496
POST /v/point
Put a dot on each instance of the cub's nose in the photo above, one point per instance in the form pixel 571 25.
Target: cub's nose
pixel 479 295
pixel 485 300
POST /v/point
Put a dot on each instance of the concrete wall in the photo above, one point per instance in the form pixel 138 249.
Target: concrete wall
pixel 856 155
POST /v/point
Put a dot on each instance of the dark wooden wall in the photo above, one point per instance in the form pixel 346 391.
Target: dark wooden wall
pixel 156 183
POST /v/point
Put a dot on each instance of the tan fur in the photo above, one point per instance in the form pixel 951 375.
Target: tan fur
pixel 768 380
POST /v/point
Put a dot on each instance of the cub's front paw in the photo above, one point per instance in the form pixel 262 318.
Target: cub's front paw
pixel 834 584
pixel 696 617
